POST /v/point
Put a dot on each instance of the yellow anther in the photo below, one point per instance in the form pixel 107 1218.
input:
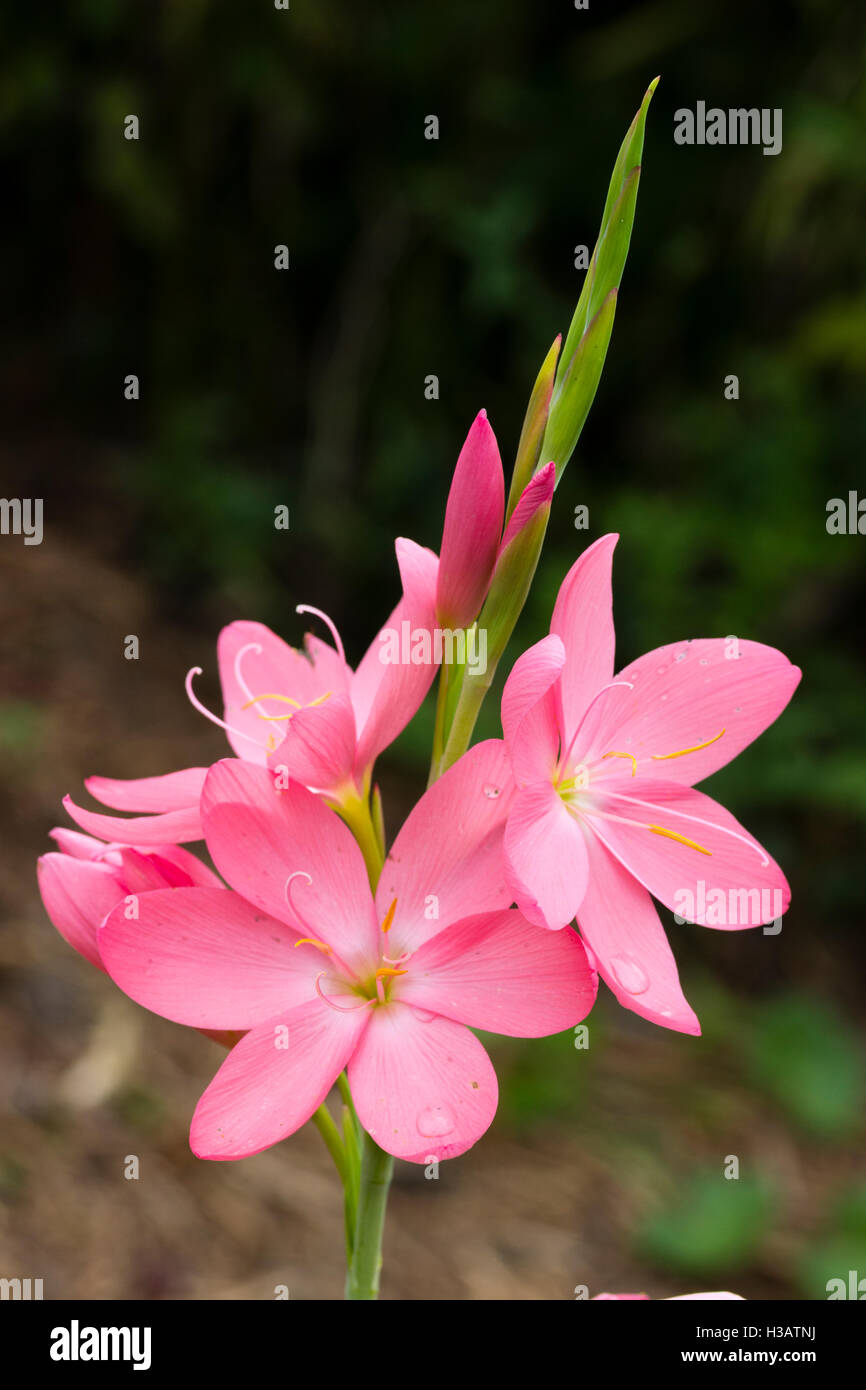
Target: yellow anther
pixel 672 835
pixel 624 755
pixel 389 916
pixel 275 718
pixel 660 757
pixel 388 970
pixel 311 941
pixel 284 699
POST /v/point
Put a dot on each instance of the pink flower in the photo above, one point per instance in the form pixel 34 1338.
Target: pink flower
pixel 473 527
pixel 473 543
pixel 81 884
pixel 311 713
pixel 606 813
pixel 677 1298
pixel 324 977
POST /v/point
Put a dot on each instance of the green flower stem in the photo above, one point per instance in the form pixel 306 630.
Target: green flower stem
pixel 439 730
pixel 362 1282
pixel 325 1125
pixel 355 811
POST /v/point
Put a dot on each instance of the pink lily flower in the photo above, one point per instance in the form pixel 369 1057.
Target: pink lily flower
pixel 675 1298
pixel 325 977
pixel 606 813
pixel 473 527
pixel 82 882
pixel 325 723
pixel 473 542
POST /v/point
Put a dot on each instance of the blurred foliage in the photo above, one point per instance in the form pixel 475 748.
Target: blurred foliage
pixel 456 257
pixel 714 1225
pixel 811 1062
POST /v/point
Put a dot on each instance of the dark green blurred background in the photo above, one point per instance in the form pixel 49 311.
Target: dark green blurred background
pixel 306 388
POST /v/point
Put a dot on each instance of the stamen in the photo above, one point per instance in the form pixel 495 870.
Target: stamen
pixel 306 608
pixel 312 941
pixel 397 960
pixel 286 700
pixel 319 700
pixel 220 723
pixel 672 835
pixel 239 677
pixel 389 916
pixel 341 1008
pixel 660 757
pixel 287 892
pixel 626 755
pixel 387 970
pixel 698 820
pixel 611 686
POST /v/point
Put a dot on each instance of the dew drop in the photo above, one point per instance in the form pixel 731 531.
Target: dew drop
pixel 660 670
pixel 681 656
pixel 737 709
pixel 434 1121
pixel 629 974
pixel 422 1015
pixel 703 661
pixel 663 697
pixel 491 791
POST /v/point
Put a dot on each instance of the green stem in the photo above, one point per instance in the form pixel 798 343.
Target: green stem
pixel 439 726
pixel 355 811
pixel 325 1125
pixel 377 1167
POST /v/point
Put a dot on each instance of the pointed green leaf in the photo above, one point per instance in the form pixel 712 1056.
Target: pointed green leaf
pixel 534 425
pixel 578 388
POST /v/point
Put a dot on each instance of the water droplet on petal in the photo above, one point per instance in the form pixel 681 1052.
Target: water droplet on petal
pixel 631 976
pixel 434 1121
pixel 703 661
pixel 422 1015
pixel 491 791
pixel 666 1013
pixel 681 656
pixel 664 697
pixel 737 709
pixel 661 670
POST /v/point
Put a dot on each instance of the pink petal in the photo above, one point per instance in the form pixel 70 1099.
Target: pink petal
pixel 545 857
pixel 188 868
pixel 446 862
pixel 319 744
pixel 473 527
pixel 695 885
pixel 175 791
pixel 690 1297
pixel 386 694
pixel 529 711
pixel 170 827
pixel 422 1089
pixel 207 958
pixel 684 695
pixel 537 493
pixel 79 846
pixel 77 895
pixel 583 618
pixel 498 972
pixel 621 927
pixel 330 669
pixel 277 669
pixel 266 1090
pixel 258 835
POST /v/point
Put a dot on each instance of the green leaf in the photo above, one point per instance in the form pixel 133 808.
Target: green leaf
pixel 534 425
pixel 578 388
pixel 719 1223
pixel 811 1062
pixel 580 364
